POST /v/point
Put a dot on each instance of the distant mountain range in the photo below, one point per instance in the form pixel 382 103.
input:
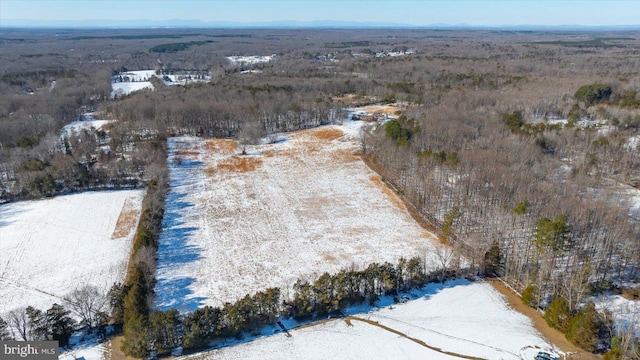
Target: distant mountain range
pixel 287 24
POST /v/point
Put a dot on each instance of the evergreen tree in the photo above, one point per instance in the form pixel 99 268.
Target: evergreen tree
pixel 303 302
pixel 116 297
pixel 272 304
pixel 323 289
pixel 195 333
pixel 136 314
pixel 493 260
pixel 449 218
pixel 246 314
pixel 593 93
pixel 201 326
pixel 515 121
pixel 415 272
pixel 552 234
pixel 371 277
pixel 38 328
pixel 135 336
pixel 521 208
pixel 234 321
pixel 530 296
pixel 5 335
pixel 557 314
pixel 60 324
pixel 163 330
pixel 388 279
pixel 584 327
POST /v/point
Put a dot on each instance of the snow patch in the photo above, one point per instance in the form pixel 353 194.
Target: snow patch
pixel 126 88
pixel 633 143
pixel 253 59
pixel 626 313
pixel 89 123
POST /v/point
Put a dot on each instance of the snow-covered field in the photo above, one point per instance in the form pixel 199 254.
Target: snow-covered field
pixel 458 318
pixel 88 123
pixel 126 88
pixel 254 59
pixel 50 247
pixel 78 126
pixel 306 205
pixel 138 75
pixel 130 81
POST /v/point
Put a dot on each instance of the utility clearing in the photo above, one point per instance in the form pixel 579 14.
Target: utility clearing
pixel 50 247
pixel 304 205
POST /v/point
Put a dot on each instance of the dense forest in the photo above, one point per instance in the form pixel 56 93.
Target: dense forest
pixel 518 148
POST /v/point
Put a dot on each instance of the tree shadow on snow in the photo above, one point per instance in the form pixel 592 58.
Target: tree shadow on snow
pixel 175 294
pixel 175 252
pixel 7 211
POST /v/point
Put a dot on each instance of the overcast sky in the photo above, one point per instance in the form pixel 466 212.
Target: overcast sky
pixel 410 12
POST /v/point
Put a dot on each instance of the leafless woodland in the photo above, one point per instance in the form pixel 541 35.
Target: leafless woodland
pixel 475 179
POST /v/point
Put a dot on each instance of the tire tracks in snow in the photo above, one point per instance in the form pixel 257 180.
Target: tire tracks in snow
pixel 440 333
pixel 415 340
pixel 29 288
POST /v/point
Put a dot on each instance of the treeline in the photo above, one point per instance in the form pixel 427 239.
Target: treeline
pixel 84 308
pixel 328 295
pixel 135 297
pixel 82 160
pixel 31 324
pixel 221 109
pixel 175 47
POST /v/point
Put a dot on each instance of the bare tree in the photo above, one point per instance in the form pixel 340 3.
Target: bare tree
pixel 90 305
pixel 444 258
pixel 250 134
pixel 627 331
pixel 20 325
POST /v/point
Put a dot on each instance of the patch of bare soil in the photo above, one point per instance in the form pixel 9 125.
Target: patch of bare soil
pixel 343 155
pixel 126 220
pixel 116 353
pixel 385 109
pixel 328 134
pixel 237 164
pixel 554 336
pixel 221 145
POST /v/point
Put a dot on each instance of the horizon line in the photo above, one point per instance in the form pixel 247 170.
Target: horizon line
pixel 183 23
